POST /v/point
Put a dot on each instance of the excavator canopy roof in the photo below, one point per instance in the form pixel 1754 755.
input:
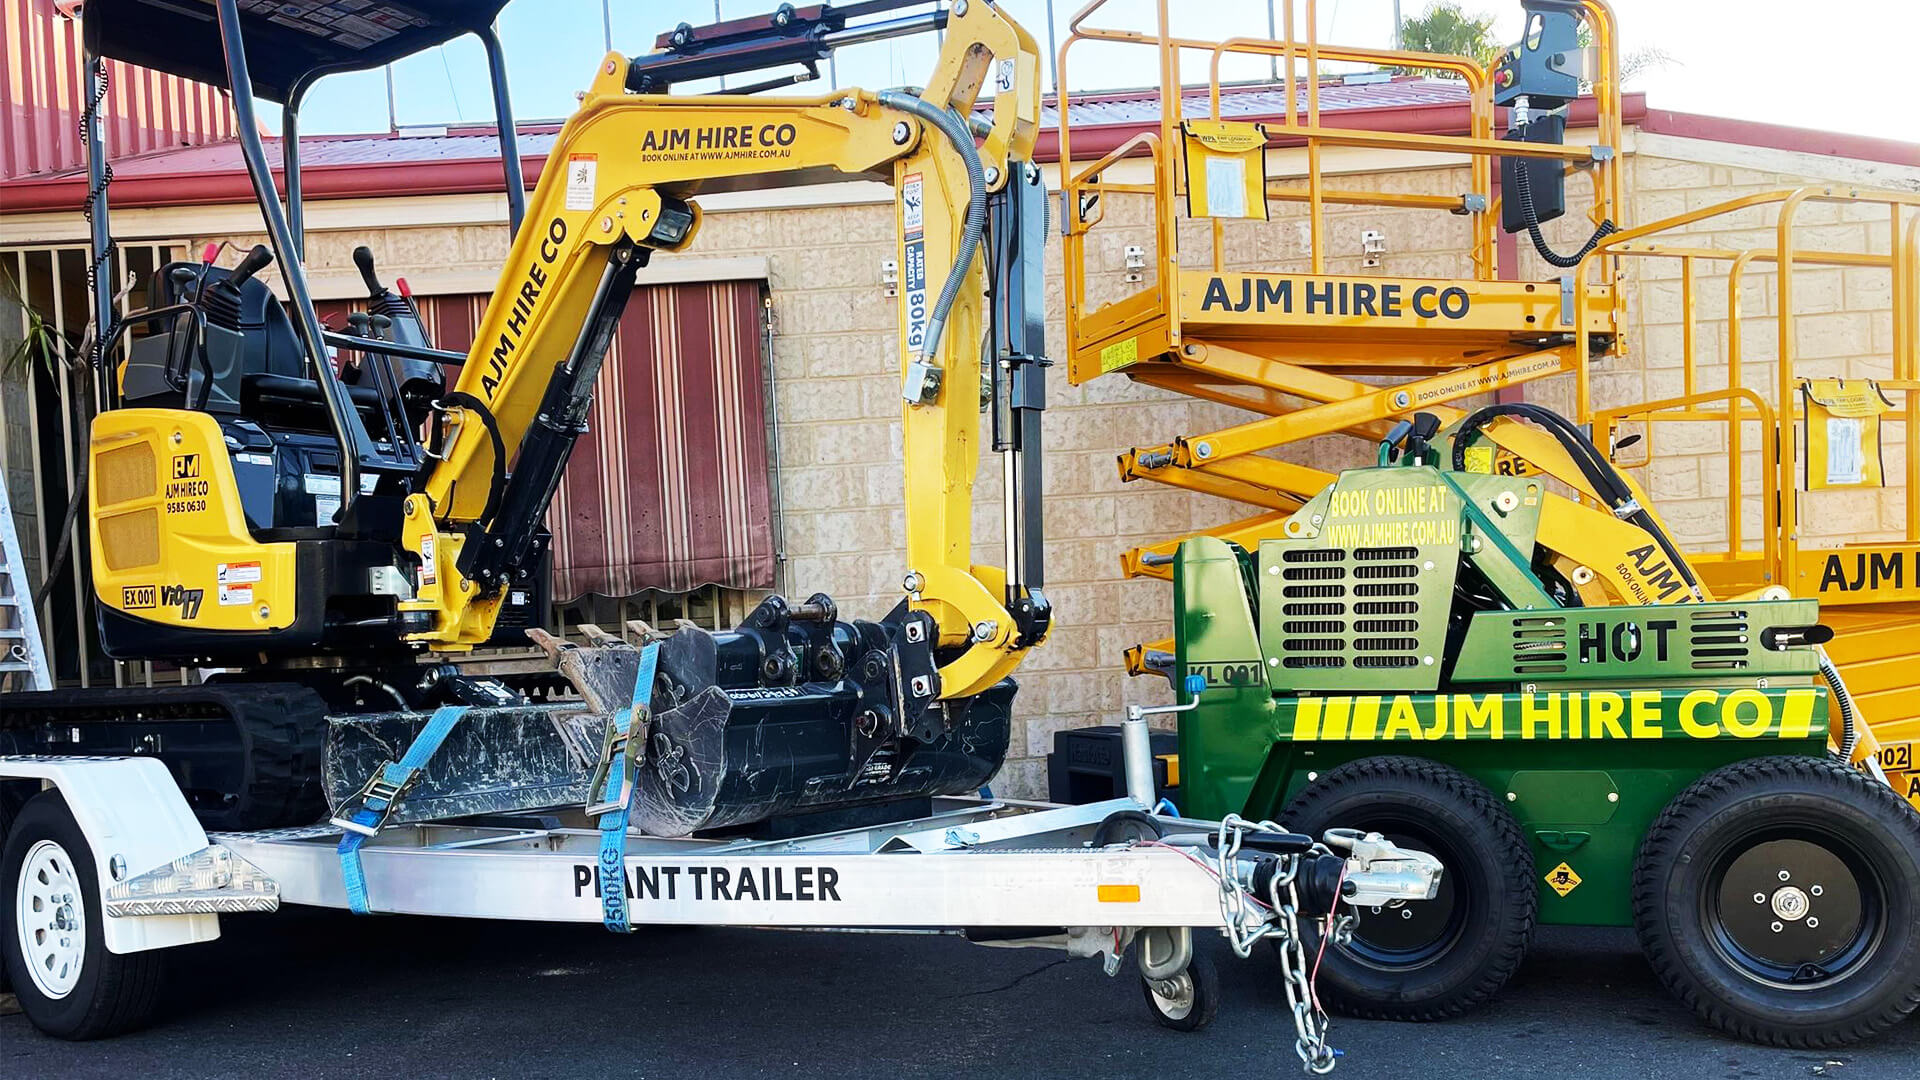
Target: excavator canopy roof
pixel 287 41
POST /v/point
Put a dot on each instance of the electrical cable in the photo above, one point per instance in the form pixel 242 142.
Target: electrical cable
pixel 1849 719
pixel 1523 197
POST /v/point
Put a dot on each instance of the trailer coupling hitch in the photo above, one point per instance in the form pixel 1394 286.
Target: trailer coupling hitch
pixel 1270 878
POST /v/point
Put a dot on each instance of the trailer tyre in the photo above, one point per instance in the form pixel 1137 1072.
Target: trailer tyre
pixel 1446 956
pixel 54 952
pixel 1779 898
pixel 1189 1000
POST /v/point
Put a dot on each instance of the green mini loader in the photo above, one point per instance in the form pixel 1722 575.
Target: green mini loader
pixel 1427 651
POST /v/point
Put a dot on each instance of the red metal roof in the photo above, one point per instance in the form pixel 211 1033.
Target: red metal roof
pixel 43 80
pixel 466 160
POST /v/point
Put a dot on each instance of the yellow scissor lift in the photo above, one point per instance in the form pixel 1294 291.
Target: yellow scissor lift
pixel 1869 586
pixel 1207 311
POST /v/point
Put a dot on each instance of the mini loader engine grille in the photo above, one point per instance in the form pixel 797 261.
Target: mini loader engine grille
pixel 1340 615
pixel 1720 639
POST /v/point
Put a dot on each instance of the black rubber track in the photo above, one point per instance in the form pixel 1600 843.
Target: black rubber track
pixel 1704 982
pixel 279 732
pixel 1363 781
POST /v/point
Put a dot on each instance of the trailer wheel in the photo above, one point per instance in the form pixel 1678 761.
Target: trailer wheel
pixel 1779 898
pixel 54 952
pixel 1446 956
pixel 1189 1000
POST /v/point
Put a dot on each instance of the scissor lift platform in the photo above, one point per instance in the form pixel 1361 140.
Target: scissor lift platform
pixel 1338 323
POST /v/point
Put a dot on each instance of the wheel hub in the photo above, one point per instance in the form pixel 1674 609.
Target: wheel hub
pixel 1790 909
pixel 1790 903
pixel 1174 996
pixel 49 919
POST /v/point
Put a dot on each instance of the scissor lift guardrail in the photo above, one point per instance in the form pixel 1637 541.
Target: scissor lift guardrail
pixel 1315 353
pixel 1869 589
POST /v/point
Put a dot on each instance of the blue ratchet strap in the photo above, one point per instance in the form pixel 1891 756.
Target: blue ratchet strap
pixel 614 795
pixel 366 813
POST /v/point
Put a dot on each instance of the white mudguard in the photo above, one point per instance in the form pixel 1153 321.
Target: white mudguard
pixel 128 807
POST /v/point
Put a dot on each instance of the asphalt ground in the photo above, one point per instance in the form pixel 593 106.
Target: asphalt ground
pixel 321 994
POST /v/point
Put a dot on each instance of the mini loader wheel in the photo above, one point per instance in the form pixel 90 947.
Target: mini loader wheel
pixel 53 950
pixel 1444 957
pixel 1779 898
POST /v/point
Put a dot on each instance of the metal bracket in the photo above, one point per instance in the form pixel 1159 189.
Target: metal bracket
pixel 1373 244
pixel 1567 284
pixel 211 881
pixel 923 383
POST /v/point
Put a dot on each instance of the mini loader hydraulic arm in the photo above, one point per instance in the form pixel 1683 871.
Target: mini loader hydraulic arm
pixel 626 170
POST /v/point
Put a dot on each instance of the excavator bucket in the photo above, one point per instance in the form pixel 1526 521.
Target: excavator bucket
pixel 792 712
pixel 517 757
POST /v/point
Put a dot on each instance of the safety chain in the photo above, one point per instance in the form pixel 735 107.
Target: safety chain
pixel 1247 919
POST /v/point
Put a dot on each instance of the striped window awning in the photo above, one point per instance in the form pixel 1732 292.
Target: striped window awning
pixel 670 489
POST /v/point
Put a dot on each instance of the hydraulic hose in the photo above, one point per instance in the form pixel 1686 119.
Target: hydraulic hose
pixel 1599 472
pixel 975 226
pixel 1849 719
pixel 1523 196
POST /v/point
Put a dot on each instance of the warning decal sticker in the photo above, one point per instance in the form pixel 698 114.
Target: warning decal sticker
pixel 1562 879
pixel 583 174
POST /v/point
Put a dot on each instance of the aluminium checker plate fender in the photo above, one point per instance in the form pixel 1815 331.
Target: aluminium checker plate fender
pixel 128 807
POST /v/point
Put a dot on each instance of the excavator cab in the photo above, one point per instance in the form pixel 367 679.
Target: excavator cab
pixel 251 463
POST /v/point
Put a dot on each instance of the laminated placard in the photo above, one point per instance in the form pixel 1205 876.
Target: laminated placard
pixel 1842 433
pixel 1226 168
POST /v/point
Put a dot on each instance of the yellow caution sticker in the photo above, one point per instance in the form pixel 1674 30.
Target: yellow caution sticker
pixel 1562 879
pixel 1119 354
pixel 1480 459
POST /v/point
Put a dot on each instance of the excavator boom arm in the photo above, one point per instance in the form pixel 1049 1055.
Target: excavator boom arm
pixel 623 181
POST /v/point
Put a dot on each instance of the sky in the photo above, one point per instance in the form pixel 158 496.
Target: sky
pixel 1768 60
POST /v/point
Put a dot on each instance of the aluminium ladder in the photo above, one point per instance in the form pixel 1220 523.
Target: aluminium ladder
pixel 23 656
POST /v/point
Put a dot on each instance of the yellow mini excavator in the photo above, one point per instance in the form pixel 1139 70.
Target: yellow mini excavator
pixel 324 520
